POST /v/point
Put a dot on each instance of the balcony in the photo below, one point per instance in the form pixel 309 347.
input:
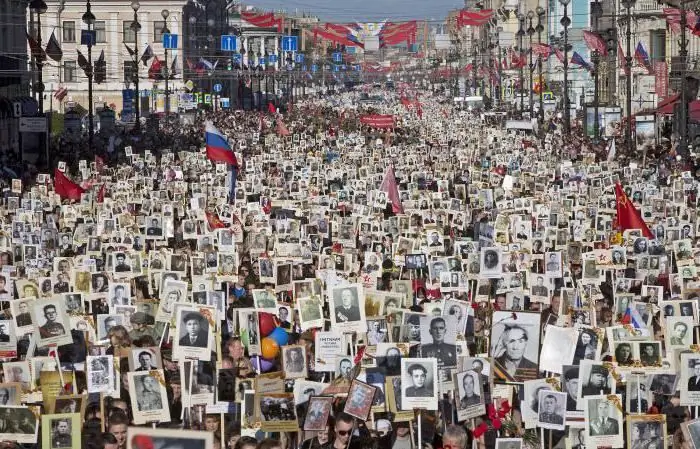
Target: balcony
pixel 648 8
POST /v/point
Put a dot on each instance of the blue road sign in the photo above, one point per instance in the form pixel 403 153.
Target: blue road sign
pixel 314 68
pixel 337 57
pixel 169 41
pixel 217 87
pixel 336 68
pixel 87 37
pixel 228 42
pixel 237 58
pixel 272 59
pixel 289 43
pixel 261 61
pixel 299 58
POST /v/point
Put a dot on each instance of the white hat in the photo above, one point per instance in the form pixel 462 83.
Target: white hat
pixel 383 425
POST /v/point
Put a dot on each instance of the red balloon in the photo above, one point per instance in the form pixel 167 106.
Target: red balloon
pixel 268 323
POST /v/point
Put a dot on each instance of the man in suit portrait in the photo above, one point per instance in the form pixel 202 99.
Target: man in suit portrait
pixel 549 411
pixel 419 375
pixel 694 380
pixel 196 328
pixel 4 336
pixel 470 397
pixel 603 425
pixel 510 353
pixel 346 307
pixel 446 354
pixel 145 364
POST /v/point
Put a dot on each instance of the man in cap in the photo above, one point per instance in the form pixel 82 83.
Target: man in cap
pixel 195 326
pixel 445 353
pixel 4 336
pixel 571 381
pixel 597 382
pixel 140 326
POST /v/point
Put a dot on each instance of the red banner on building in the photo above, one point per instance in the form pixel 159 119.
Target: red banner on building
pixel 378 121
pixel 661 81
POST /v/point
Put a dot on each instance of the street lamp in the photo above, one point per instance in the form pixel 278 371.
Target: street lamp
pixel 540 28
pixel 89 20
pixel 565 22
pixel 597 12
pixel 136 27
pixel 520 34
pixel 629 4
pixel 39 7
pixel 165 13
pixel 530 32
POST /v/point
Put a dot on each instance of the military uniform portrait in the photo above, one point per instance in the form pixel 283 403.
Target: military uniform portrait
pixel 438 336
pixel 552 410
pixel 18 424
pixel 604 420
pixel 347 308
pixel 594 379
pixel 50 317
pixel 419 387
pixel 148 397
pixel 61 433
pixel 360 399
pixel 317 414
pixel 469 395
pixel 515 345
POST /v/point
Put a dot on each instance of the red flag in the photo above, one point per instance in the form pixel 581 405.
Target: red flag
pixel 560 54
pixel 595 42
pixel 65 188
pixel 392 190
pixel 271 108
pixel 101 194
pixel 281 129
pixel 628 217
pixel 621 58
pixel 214 221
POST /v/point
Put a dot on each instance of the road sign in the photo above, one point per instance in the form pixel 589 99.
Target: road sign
pixel 314 68
pixel 289 43
pixel 88 37
pixel 336 68
pixel 217 87
pixel 261 61
pixel 17 109
pixel 337 57
pixel 228 42
pixel 169 41
pixel 32 124
pixel 237 58
pixel 299 58
pixel 272 59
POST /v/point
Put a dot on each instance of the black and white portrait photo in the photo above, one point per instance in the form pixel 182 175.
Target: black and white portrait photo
pixel 552 264
pixel 100 373
pixel 419 388
pixel 148 397
pixel 19 424
pixel 144 359
pixel 689 384
pixel 51 319
pixel 294 361
pixel 552 410
pixel 469 397
pixel 438 336
pixel 646 431
pixel 594 379
pixel 604 420
pixel 194 331
pixel 490 262
pixel 515 345
pixel 348 308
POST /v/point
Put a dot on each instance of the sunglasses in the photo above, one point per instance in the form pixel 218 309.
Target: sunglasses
pixel 342 433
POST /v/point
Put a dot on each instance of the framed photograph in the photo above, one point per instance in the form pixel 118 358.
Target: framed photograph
pixel 509 443
pixel 18 372
pixel 595 378
pixel 265 300
pixel 52 323
pixel 646 431
pixel 438 337
pixel 171 292
pixel 10 393
pixel 149 398
pixel 469 396
pixel 70 403
pixel 637 395
pixel 100 373
pixel 21 313
pixel 604 418
pixel 531 400
pixel 360 399
pixel 689 378
pixel 515 342
pixel 294 361
pixel 61 430
pixel 145 359
pixel 347 308
pixel 679 331
pixel 196 327
pixel 317 414
pixel 276 412
pixel 105 322
pixel 491 262
pixel 552 410
pixel 691 431
pixel 21 424
pixel 310 313
pixel 419 383
pixel 164 438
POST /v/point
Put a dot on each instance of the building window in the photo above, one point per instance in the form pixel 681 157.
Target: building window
pixel 69 71
pixel 68 31
pixel 129 34
pixel 130 68
pixel 657 52
pixel 158 26
pixel 100 32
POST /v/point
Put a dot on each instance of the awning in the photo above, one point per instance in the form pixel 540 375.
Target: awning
pixel 665 107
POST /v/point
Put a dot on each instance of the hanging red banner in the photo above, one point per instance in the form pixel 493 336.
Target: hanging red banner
pixel 378 121
pixel 661 80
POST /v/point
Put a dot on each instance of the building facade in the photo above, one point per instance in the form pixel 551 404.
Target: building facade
pixel 113 34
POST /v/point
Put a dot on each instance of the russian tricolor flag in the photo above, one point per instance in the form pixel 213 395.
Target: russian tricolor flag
pixel 218 149
pixel 633 317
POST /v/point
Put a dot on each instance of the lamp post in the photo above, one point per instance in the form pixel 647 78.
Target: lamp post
pixel 540 28
pixel 597 12
pixel 89 20
pixel 39 7
pixel 683 119
pixel 629 4
pixel 520 34
pixel 565 22
pixel 530 33
pixel 493 39
pixel 136 27
pixel 164 14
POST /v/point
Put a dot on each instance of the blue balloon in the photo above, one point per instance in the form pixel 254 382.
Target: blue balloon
pixel 280 336
pixel 262 364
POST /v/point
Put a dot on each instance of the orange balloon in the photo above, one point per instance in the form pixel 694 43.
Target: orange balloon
pixel 269 347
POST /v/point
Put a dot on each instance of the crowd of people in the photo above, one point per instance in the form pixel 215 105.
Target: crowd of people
pixel 438 283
